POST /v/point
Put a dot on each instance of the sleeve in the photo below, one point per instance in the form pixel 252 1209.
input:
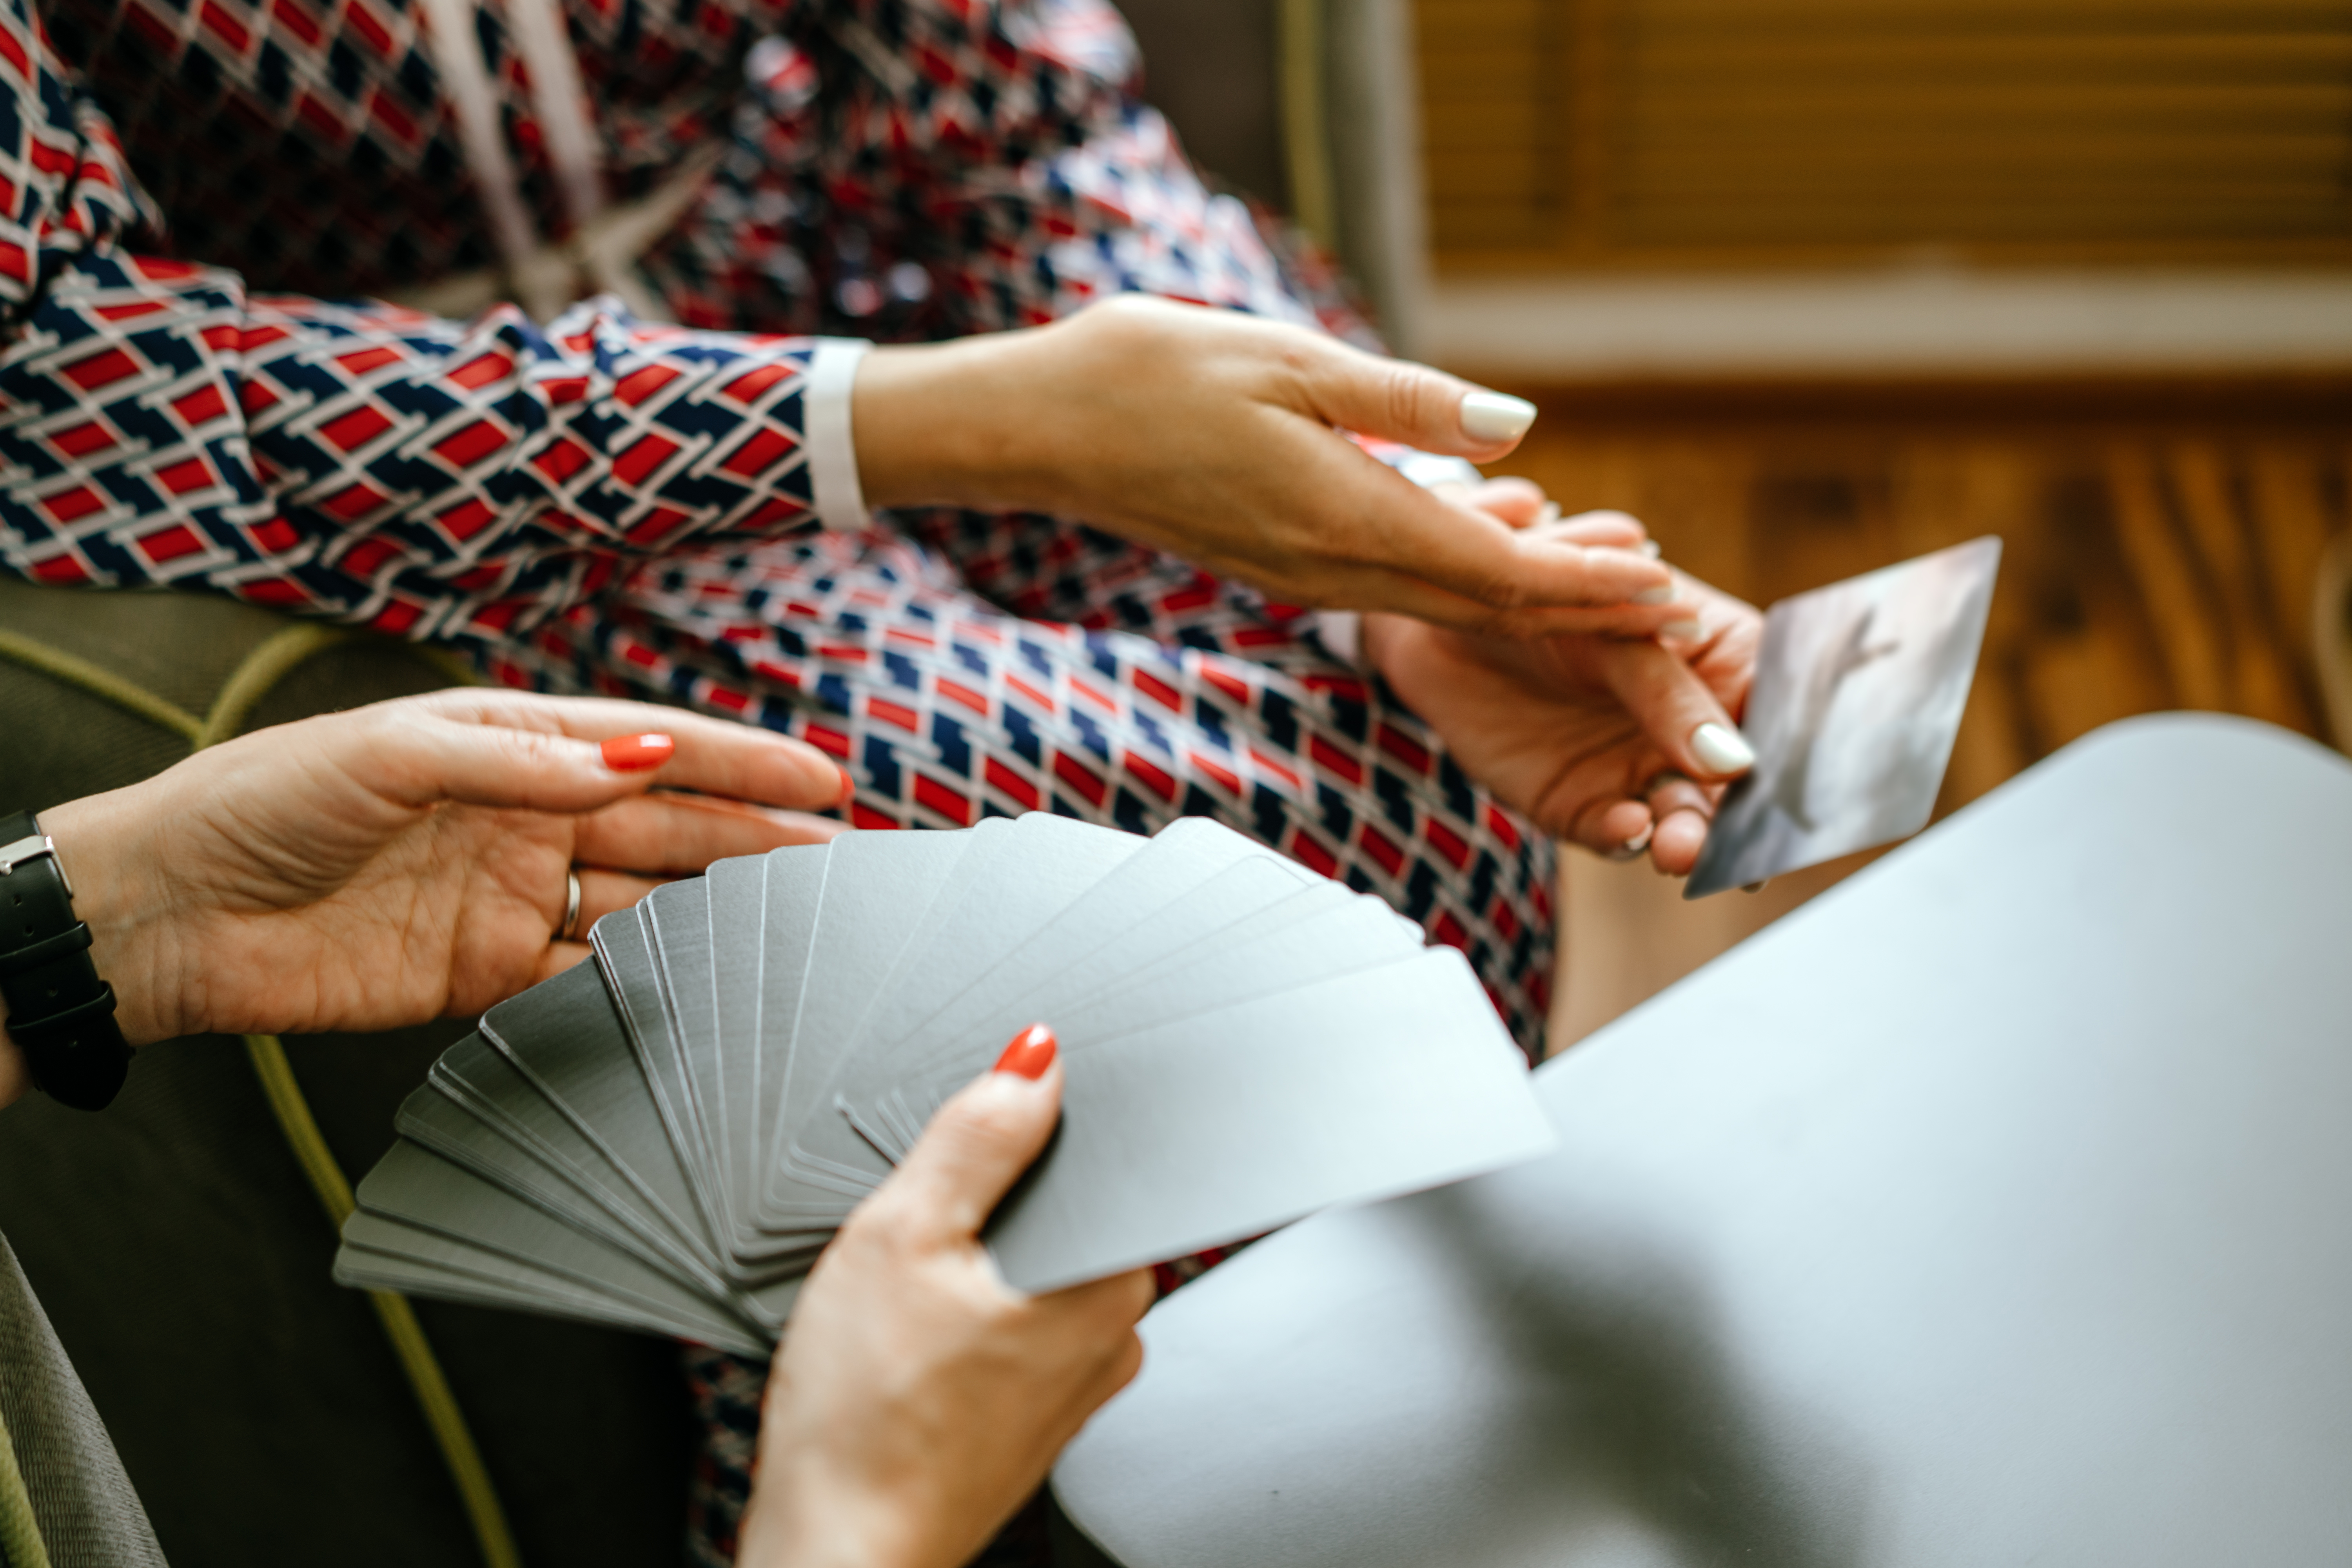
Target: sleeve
pixel 423 477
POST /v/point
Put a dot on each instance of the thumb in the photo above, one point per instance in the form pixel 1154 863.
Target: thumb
pixel 982 1141
pixel 1400 401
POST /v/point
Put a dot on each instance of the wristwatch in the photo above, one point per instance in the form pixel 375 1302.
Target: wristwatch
pixel 60 1014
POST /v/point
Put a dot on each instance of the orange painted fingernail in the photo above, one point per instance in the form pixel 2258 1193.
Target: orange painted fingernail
pixel 848 787
pixel 1030 1053
pixel 635 753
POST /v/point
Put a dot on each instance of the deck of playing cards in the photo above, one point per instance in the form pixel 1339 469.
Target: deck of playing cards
pixel 666 1139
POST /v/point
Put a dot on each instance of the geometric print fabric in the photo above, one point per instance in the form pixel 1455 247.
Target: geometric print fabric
pixel 608 505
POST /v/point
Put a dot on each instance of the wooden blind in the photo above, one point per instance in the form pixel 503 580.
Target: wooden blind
pixel 1608 133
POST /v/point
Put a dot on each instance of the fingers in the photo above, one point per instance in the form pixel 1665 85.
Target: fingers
pixel 1402 401
pixel 1685 725
pixel 1683 809
pixel 1121 1300
pixel 978 1144
pixel 1616 529
pixel 1440 559
pixel 1105 1312
pixel 1669 824
pixel 1519 502
pixel 1615 830
pixel 681 833
pixel 1523 504
pixel 559 957
pixel 1676 711
pixel 420 759
pixel 713 755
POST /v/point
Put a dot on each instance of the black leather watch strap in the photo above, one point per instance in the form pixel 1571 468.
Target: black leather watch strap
pixel 60 1014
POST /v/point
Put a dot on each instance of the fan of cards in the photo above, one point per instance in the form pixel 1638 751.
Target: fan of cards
pixel 665 1139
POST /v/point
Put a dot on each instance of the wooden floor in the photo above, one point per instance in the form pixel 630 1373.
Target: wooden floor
pixel 2162 546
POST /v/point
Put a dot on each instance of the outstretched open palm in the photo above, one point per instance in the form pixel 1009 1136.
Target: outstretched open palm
pixel 398 861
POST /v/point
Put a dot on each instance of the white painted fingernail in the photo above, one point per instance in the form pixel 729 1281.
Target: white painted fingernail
pixel 1650 548
pixel 1721 749
pixel 1495 416
pixel 1631 848
pixel 1663 593
pixel 1690 629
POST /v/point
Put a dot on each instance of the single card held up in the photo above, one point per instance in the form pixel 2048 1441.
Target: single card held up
pixel 1858 694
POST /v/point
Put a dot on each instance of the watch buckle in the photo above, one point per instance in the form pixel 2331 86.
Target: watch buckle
pixel 15 855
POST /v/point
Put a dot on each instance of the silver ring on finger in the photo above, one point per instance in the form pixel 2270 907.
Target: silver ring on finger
pixel 570 930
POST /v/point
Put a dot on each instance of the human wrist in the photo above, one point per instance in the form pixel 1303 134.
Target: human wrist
pixel 955 424
pixel 101 847
pixel 922 439
pixel 798 1520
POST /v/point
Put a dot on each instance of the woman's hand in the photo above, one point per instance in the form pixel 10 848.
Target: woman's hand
pixel 1211 435
pixel 1619 745
pixel 917 1399
pixel 400 861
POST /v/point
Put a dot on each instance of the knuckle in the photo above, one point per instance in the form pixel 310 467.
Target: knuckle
pixel 1411 398
pixel 1298 354
pixel 1504 587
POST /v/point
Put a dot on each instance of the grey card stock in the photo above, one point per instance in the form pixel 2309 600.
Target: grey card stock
pixel 1362 1087
pixel 1988 1209
pixel 665 1138
pixel 1857 700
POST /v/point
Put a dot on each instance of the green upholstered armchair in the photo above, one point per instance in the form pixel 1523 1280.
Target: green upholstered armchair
pixel 181 1239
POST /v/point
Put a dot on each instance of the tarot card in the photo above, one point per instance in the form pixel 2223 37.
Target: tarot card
pixel 453 1127
pixel 1355 935
pixel 877 888
pixel 383 1254
pixel 566 1041
pixel 412 1185
pixel 1104 932
pixel 623 942
pixel 1376 1083
pixel 1858 694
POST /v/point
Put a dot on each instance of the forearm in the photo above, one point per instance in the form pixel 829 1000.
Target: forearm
pixel 426 477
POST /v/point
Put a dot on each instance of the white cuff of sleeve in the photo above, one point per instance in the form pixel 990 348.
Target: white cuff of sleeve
pixel 832 451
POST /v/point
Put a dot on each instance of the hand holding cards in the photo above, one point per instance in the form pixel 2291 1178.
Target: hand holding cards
pixel 666 1139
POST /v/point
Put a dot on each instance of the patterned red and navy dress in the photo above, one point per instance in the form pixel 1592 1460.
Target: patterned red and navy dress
pixel 611 506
